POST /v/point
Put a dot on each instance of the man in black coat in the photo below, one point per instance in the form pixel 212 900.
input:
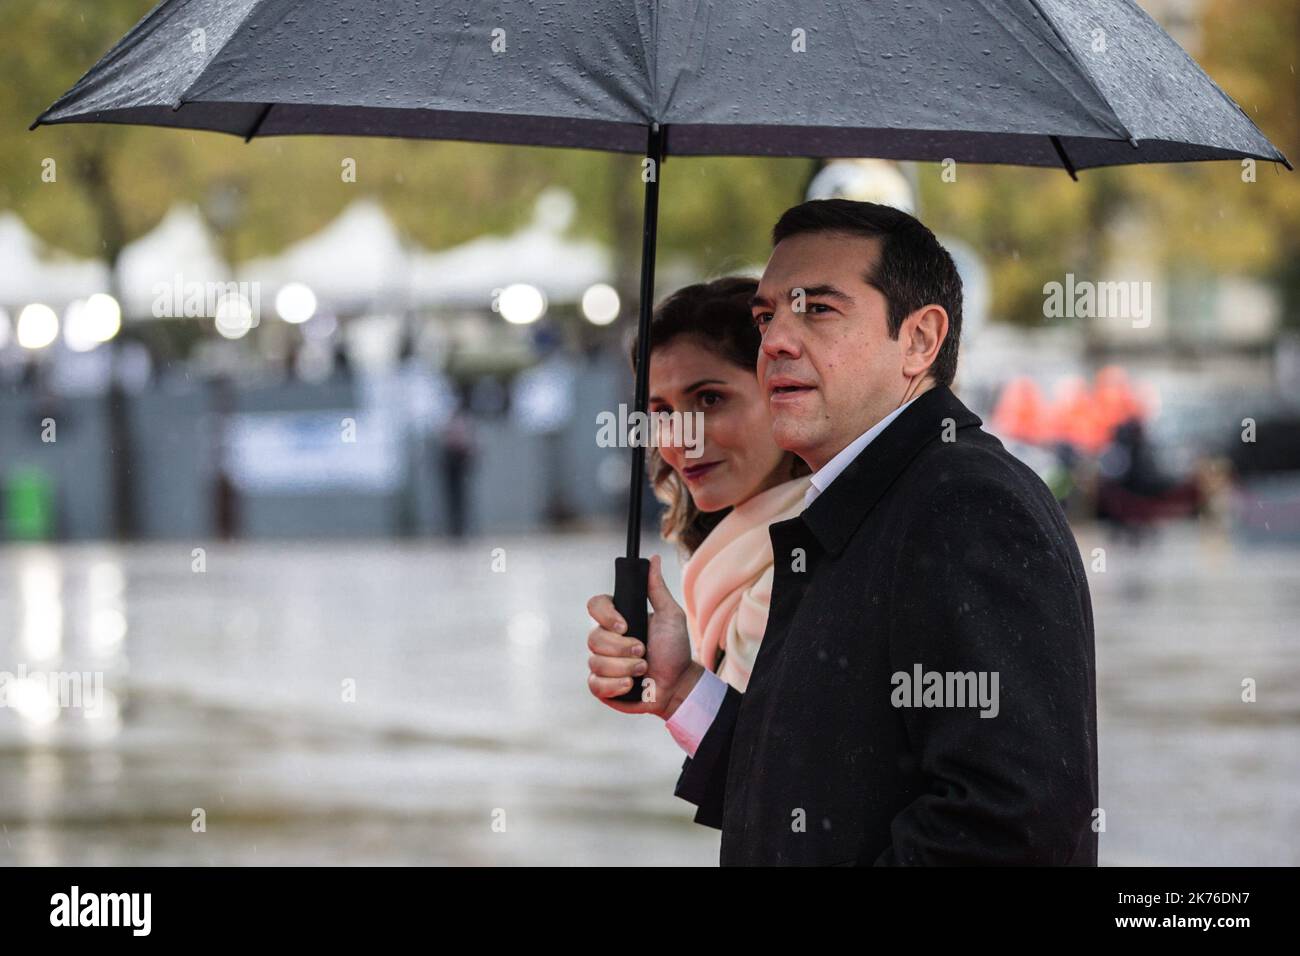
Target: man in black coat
pixel 925 690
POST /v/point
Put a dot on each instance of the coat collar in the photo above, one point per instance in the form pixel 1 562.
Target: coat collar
pixel 836 513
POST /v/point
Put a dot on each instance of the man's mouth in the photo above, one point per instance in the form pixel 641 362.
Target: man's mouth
pixel 695 472
pixel 784 389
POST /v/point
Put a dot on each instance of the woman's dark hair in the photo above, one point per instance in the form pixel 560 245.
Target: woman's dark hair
pixel 717 315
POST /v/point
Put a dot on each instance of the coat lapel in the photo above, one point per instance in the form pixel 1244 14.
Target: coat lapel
pixel 825 526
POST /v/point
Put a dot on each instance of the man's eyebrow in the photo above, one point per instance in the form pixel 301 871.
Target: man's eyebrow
pixel 693 387
pixel 826 292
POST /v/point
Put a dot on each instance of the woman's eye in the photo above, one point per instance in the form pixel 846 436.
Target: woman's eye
pixel 709 399
pixel 762 318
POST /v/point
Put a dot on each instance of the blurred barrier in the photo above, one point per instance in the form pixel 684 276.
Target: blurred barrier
pixel 201 461
pixel 1266 508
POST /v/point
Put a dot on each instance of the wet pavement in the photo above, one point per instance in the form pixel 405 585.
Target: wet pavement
pixel 410 702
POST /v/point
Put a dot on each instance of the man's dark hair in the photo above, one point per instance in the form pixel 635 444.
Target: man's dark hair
pixel 914 269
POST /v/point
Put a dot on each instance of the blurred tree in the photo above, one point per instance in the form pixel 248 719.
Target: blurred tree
pixel 63 186
pixel 1031 225
pixel 1225 221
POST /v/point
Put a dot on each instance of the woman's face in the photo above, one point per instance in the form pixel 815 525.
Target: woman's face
pixel 739 457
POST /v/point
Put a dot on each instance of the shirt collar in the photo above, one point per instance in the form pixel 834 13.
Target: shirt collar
pixel 833 519
pixel 823 476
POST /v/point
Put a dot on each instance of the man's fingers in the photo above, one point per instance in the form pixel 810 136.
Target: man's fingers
pixel 601 641
pixel 605 687
pixel 661 599
pixel 602 611
pixel 603 666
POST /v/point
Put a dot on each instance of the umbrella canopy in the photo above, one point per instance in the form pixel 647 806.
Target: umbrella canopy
pixel 1071 83
pixel 1067 83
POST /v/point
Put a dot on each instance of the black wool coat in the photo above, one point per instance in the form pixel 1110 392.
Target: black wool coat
pixel 935 561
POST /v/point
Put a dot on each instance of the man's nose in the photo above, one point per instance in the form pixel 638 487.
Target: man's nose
pixel 780 338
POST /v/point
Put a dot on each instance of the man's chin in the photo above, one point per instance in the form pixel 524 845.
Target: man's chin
pixel 791 434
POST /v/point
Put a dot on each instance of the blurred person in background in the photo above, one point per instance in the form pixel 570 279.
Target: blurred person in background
pixel 458 446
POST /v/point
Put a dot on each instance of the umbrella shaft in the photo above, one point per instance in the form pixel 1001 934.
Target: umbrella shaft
pixel 650 222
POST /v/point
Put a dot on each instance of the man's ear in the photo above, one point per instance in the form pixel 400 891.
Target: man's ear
pixel 920 337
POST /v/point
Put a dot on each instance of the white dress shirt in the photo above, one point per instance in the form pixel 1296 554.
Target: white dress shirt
pixel 695 714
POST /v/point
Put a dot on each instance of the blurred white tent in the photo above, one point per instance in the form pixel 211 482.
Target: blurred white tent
pixel 538 255
pixel 31 273
pixel 356 263
pixel 178 253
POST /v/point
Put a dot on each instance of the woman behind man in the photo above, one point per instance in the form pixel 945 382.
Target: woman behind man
pixel 721 498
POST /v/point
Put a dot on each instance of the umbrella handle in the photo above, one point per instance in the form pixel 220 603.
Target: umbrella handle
pixel 632 572
pixel 631 591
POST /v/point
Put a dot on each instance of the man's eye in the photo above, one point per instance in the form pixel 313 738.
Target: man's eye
pixel 762 318
pixel 818 307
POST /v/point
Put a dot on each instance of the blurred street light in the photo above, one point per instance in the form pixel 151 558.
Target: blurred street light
pixel 234 316
pixel 76 335
pixel 295 303
pixel 521 304
pixel 38 326
pixel 600 304
pixel 91 322
pixel 104 316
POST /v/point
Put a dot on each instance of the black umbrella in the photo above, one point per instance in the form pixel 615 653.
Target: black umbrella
pixel 1067 83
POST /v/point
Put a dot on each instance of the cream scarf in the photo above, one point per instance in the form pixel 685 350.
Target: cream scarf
pixel 727 582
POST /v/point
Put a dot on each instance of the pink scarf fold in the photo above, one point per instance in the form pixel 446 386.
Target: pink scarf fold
pixel 727 582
